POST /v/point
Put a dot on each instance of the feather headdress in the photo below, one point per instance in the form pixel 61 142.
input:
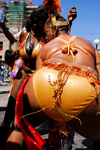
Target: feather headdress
pixel 52 4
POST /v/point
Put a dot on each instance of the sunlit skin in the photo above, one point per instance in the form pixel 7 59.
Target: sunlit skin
pixel 52 51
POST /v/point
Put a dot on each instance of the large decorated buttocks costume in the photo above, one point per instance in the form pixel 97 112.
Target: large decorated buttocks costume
pixel 68 89
pixel 62 89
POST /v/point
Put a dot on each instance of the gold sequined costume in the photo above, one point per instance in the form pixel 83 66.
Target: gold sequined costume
pixel 31 53
pixel 63 90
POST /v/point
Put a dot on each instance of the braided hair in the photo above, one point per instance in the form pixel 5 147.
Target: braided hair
pixel 37 20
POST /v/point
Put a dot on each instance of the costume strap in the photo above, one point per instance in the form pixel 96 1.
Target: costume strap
pixel 62 23
pixel 55 22
pixel 70 48
pixel 66 42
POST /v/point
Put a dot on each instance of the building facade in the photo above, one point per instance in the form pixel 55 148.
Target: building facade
pixel 17 12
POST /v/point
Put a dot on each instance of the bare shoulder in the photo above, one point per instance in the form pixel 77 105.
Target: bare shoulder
pixel 51 45
pixel 48 49
pixel 43 51
pixel 84 41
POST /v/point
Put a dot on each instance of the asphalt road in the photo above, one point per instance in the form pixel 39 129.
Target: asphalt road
pixel 79 142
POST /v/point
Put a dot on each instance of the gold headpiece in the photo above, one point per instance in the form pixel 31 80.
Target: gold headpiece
pixel 55 22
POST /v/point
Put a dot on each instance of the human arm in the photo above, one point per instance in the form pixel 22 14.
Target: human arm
pixel 72 14
pixel 7 33
pixel 98 62
pixel 20 64
pixel 39 61
pixel 27 69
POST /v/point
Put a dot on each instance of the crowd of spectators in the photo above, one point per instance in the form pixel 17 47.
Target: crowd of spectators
pixel 5 72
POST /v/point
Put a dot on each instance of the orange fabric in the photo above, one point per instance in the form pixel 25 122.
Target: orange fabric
pixel 79 71
pixel 51 4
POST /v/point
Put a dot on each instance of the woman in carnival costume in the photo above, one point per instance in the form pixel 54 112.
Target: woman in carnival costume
pixel 65 86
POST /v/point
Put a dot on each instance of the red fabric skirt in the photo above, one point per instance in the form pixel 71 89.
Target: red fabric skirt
pixel 32 138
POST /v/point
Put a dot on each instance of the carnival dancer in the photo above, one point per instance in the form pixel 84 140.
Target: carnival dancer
pixel 65 86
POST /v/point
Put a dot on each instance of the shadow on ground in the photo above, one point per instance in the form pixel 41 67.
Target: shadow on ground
pixel 2 108
pixel 4 92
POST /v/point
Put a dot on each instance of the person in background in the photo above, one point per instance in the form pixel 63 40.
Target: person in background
pixel 23 64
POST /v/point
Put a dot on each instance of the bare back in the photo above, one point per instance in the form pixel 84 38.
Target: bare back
pixel 80 57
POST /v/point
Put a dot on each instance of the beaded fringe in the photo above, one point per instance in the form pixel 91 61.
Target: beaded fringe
pixel 67 70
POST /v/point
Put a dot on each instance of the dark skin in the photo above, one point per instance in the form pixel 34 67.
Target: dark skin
pixel 72 15
pixel 18 80
pixel 91 59
pixel 8 34
pixel 15 81
pixel 50 51
pixel 45 54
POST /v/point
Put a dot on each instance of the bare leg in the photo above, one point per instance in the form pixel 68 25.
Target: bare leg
pixel 10 110
pixel 15 141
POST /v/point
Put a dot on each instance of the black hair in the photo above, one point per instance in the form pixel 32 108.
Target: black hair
pixel 9 56
pixel 37 20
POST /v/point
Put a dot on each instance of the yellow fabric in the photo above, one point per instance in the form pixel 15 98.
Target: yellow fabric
pixel 35 51
pixel 76 95
pixel 23 53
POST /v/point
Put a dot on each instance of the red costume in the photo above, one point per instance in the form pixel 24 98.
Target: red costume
pixel 34 141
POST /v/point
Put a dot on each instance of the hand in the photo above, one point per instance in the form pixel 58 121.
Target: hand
pixel 72 14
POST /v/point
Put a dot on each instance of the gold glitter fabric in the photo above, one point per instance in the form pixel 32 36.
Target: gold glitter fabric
pixel 63 90
pixel 36 46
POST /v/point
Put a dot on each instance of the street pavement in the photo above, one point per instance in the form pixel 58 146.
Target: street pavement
pixel 4 93
pixel 79 142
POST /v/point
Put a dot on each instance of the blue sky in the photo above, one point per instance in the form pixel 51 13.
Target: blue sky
pixel 87 23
